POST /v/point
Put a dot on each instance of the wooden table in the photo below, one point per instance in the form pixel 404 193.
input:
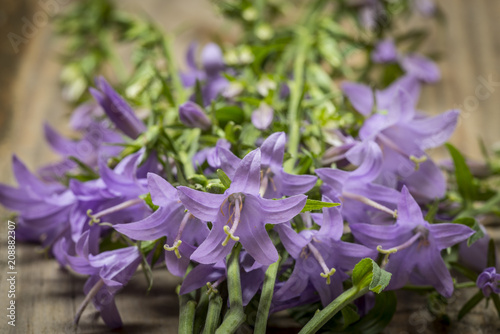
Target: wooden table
pixel 47 296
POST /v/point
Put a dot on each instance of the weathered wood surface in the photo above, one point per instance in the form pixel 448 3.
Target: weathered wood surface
pixel 47 296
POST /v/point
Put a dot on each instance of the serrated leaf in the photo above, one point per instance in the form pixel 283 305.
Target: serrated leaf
pixel 471 303
pixel 312 204
pixel 367 273
pixel 224 179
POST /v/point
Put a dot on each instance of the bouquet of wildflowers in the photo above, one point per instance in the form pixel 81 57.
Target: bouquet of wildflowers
pixel 286 171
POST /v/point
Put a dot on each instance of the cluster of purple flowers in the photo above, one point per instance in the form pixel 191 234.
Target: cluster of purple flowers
pixel 381 195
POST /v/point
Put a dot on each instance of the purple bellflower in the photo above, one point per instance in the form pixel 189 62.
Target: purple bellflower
pixel 211 156
pixel 96 143
pixel 113 198
pixel 358 194
pixel 488 281
pixel 182 229
pixel 402 135
pixel 275 182
pixel 414 246
pixel 193 116
pixel 110 271
pixel 240 214
pixel 262 117
pixel 321 257
pixel 414 65
pixel 212 61
pixel 117 109
pixel 43 208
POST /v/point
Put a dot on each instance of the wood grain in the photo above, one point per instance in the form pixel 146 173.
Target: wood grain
pixel 47 296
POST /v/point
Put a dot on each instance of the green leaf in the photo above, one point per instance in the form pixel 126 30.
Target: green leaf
pixel 367 273
pixel 350 315
pixel 312 204
pixel 85 168
pixel 471 303
pixel 224 179
pixel 470 274
pixel 473 224
pixel 149 201
pixel 464 178
pixel 230 113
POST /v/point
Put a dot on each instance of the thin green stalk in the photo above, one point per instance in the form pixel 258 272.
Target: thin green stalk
pixel 176 81
pixel 201 311
pixel 296 92
pixel 236 316
pixel 213 314
pixel 322 317
pixel 187 309
pixel 265 298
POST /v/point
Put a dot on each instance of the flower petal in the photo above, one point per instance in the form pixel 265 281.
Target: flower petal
pixel 273 149
pixel 204 206
pixel 247 176
pixel 162 192
pixel 360 96
pixel 255 240
pixel 447 234
pixel 280 211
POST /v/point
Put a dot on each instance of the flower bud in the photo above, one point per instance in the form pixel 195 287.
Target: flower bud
pixel 193 116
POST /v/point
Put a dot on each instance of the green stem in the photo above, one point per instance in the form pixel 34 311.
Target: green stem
pixel 236 316
pixel 201 311
pixel 213 314
pixel 187 309
pixel 179 89
pixel 430 288
pixel 322 317
pixel 265 298
pixel 296 92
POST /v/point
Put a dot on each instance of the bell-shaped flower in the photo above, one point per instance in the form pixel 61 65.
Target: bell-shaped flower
pixel 414 246
pixel 113 198
pixel 322 258
pixel 211 156
pixel 117 109
pixel 212 61
pixel 182 229
pixel 489 281
pixel 275 182
pixel 43 208
pixel 240 214
pixel 358 194
pixel 193 116
pixel 401 135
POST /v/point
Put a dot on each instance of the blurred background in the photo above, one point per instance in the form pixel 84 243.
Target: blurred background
pixel 467 43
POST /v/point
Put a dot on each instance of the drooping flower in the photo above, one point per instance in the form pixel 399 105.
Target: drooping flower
pixel 210 155
pixel 110 271
pixel 117 109
pixel 193 116
pixel 414 246
pixel 262 117
pixel 321 257
pixel 183 230
pixel 488 281
pixel 402 135
pixel 43 208
pixel 213 83
pixel 113 198
pixel 97 142
pixel 275 182
pixel 413 64
pixel 358 194
pixel 240 214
